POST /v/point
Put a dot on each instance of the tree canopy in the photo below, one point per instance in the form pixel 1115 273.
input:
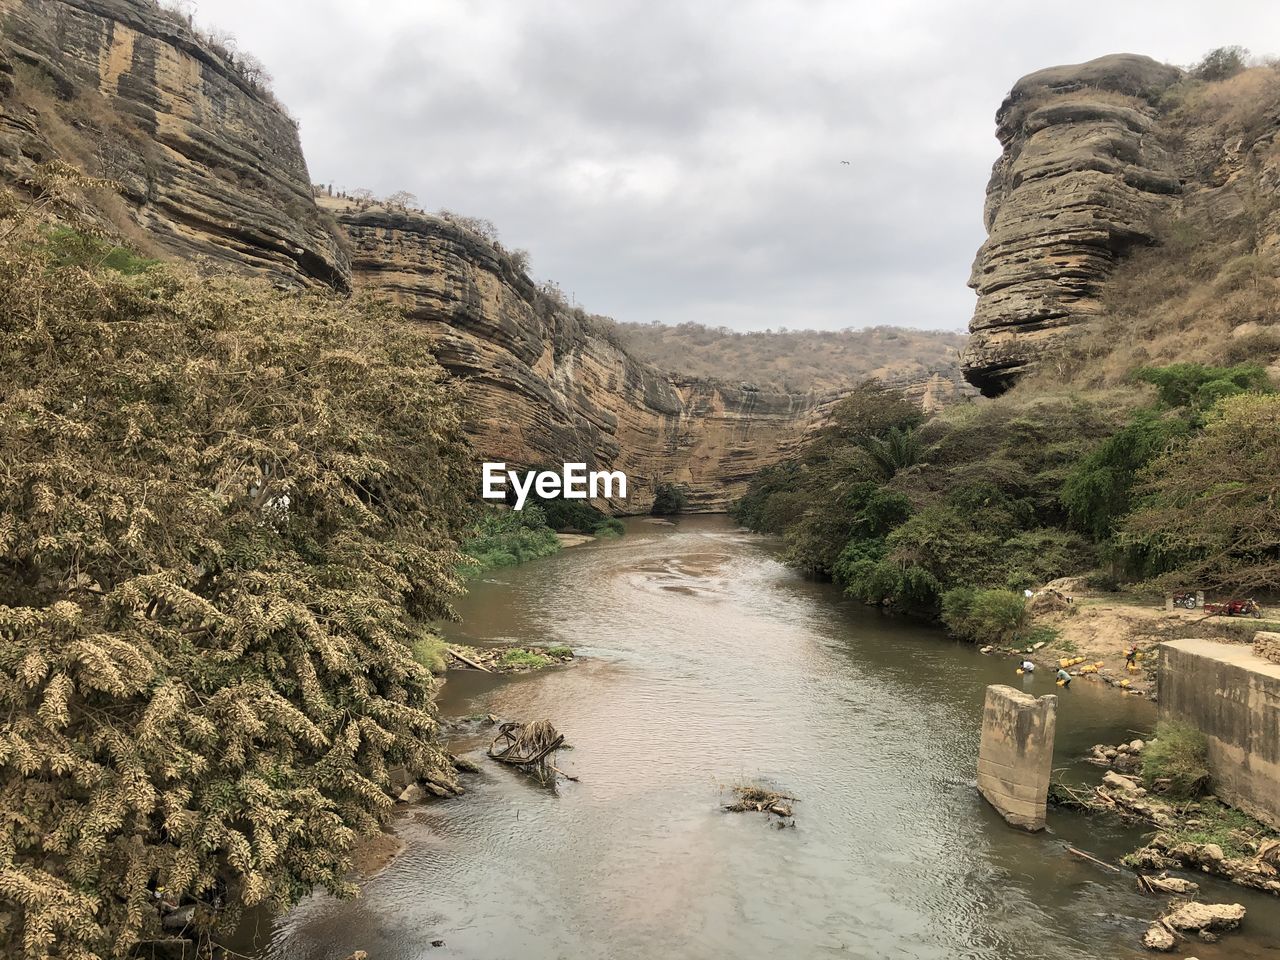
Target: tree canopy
pixel 1210 506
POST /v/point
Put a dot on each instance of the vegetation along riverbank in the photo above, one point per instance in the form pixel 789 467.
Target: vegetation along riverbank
pixel 229 515
pixel 1157 484
pixel 1165 783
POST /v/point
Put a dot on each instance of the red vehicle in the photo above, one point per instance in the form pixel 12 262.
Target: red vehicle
pixel 1236 608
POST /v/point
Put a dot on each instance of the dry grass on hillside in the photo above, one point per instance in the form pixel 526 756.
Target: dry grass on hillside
pixel 1209 292
pixel 795 361
pixel 1194 299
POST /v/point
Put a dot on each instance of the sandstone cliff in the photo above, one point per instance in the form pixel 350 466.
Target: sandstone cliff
pixel 1101 161
pixel 546 384
pixel 210 163
pixel 1083 176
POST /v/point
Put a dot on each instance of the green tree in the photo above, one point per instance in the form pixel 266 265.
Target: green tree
pixel 1199 387
pixel 984 616
pixel 894 451
pixel 1209 508
pixel 872 410
pixel 226 517
pixel 670 499
pixel 1098 492
pixel 1221 63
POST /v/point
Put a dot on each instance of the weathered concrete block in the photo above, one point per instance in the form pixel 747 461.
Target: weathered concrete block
pixel 1232 695
pixel 1015 758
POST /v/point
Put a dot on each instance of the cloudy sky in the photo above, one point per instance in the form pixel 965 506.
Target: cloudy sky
pixel 678 161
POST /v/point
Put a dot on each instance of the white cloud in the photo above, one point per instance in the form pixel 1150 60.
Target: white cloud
pixel 673 161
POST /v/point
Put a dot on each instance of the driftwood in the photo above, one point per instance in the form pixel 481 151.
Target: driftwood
pixel 468 661
pixel 530 746
pixel 1092 859
pixel 1165 884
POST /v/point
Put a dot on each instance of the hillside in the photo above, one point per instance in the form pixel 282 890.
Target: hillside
pixel 1133 218
pixel 796 361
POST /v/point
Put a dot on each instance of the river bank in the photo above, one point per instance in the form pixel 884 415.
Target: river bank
pixel 1098 628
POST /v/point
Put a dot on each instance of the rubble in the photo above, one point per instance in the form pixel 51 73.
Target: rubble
pixel 1267 645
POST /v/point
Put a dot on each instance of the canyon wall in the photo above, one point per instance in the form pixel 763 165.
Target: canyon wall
pixel 547 384
pixel 209 163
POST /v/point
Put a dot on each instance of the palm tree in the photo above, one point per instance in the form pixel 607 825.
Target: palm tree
pixel 893 452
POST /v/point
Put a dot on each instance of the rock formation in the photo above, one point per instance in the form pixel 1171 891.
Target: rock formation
pixel 547 384
pixel 1099 160
pixel 1084 175
pixel 209 162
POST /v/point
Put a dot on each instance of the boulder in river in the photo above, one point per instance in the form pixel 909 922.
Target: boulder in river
pixel 1159 938
pixel 1193 917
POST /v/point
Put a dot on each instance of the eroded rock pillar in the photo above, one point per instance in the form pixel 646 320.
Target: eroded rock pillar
pixel 1015 758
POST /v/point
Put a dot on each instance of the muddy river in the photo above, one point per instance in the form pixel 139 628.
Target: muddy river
pixel 705 663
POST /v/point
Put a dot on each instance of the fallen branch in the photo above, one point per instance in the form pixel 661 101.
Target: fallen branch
pixel 1093 859
pixel 468 661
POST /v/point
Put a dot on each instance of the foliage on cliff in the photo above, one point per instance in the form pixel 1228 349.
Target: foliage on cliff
pixel 1205 289
pixel 793 361
pixel 226 517
pixel 1005 495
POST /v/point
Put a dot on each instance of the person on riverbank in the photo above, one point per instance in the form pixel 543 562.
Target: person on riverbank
pixel 1028 666
pixel 1064 678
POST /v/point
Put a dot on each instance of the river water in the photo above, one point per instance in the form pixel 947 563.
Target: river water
pixel 705 663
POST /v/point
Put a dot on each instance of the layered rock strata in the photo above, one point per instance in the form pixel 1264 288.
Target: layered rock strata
pixel 209 163
pixel 545 384
pixel 1085 174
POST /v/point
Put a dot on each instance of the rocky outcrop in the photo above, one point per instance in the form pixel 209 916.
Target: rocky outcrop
pixel 210 164
pixel 1085 174
pixel 545 384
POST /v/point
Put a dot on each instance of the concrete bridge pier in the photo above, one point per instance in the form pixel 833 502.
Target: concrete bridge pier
pixel 1015 758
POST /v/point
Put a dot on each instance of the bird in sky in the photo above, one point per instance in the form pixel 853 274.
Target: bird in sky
pixel 845 162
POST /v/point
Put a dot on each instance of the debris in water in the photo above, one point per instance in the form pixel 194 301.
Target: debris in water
pixel 510 659
pixel 1163 883
pixel 761 800
pixel 531 747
